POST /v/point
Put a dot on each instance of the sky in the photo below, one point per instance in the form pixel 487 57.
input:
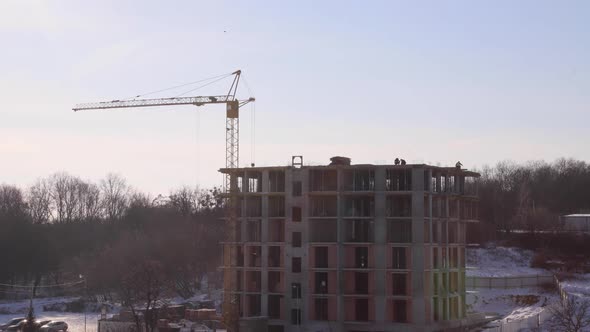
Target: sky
pixel 429 81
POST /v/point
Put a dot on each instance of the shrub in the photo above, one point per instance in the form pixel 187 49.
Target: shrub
pixel 540 260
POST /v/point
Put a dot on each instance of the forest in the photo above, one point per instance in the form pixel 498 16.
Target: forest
pixel 63 228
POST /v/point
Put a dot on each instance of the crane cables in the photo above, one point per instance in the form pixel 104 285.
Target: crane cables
pixel 252 124
pixel 209 81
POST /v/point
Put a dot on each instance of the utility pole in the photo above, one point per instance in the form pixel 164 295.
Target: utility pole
pixel 85 298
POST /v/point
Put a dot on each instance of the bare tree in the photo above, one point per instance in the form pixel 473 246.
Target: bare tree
pixel 185 200
pixel 66 197
pixel 12 203
pixel 90 201
pixel 115 193
pixel 39 201
pixel 145 284
pixel 572 315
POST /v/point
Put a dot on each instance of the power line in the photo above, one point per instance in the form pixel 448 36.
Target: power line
pixel 44 286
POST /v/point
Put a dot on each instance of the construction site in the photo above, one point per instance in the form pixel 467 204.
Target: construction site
pixel 338 247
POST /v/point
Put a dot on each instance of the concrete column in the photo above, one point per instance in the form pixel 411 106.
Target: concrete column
pixel 380 247
pixel 418 246
pixel 264 245
pixel 340 259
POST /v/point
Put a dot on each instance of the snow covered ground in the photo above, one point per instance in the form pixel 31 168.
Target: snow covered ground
pixel 10 310
pixel 578 285
pixel 75 320
pixel 500 262
pixel 510 304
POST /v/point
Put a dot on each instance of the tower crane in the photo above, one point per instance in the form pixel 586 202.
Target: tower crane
pixel 232 159
pixel 232 122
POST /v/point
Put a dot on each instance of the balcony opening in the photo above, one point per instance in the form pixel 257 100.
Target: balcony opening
pixel 453 232
pixel 435 259
pixel 253 305
pixel 254 255
pixel 240 256
pixel 274 306
pixel 453 209
pixel 239 281
pixel 255 182
pixel 361 310
pixel 239 182
pixel 399 259
pixel 276 207
pixel 399 284
pixel 321 257
pixel 435 231
pixel 321 309
pixel 274 256
pixel 297 188
pixel 470 186
pixel 453 282
pixel 254 207
pixel 359 207
pixel 361 257
pixel 400 311
pixel 359 230
pixel 296 290
pixel 296 214
pixel 295 316
pixel 321 283
pixel 296 264
pixel 398 206
pixel 359 180
pixel 321 230
pixel 253 230
pixel 399 231
pixel 296 239
pixel 323 180
pixel 276 230
pixel 398 180
pixel 324 206
pixel 361 283
pixel 274 282
pixel 276 181
pixel 254 281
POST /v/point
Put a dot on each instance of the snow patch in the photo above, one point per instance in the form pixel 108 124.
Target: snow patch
pixel 500 262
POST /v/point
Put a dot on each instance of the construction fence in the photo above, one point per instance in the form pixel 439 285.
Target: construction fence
pixel 532 322
pixel 472 282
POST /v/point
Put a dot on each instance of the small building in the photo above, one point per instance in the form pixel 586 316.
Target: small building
pixel 576 223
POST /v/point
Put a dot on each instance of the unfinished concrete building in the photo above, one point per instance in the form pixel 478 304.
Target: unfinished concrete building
pixel 349 247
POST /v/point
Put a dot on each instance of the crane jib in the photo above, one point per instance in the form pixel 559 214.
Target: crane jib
pixel 198 101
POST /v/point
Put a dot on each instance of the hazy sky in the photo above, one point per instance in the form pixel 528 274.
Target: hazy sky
pixel 428 81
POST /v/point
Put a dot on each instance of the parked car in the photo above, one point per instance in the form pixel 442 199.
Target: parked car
pixel 54 326
pixel 16 327
pixel 10 323
pixel 43 322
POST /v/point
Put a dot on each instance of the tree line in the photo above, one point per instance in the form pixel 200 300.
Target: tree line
pixel 62 227
pixel 531 196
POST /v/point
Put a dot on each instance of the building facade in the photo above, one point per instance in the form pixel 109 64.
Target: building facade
pixel 578 223
pixel 347 247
